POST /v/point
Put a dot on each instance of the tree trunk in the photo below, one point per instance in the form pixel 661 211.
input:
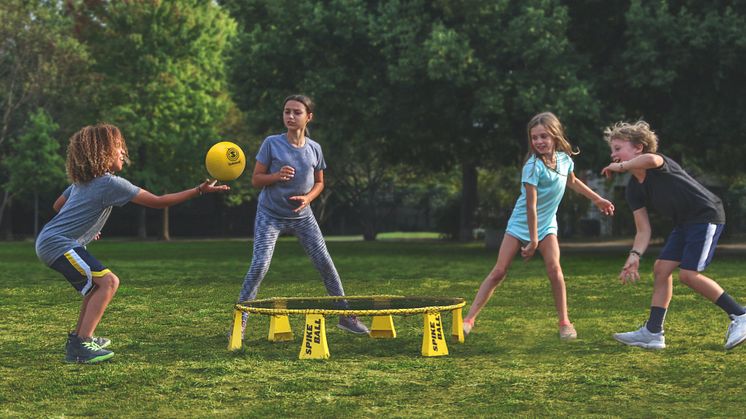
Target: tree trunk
pixel 165 233
pixel 8 229
pixel 142 230
pixel 6 197
pixel 468 200
pixel 36 214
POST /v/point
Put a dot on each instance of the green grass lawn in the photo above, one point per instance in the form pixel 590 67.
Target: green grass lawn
pixel 170 317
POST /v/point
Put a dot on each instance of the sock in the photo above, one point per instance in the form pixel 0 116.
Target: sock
pixel 729 305
pixel 655 322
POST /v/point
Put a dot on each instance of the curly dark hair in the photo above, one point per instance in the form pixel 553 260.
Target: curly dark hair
pixel 91 151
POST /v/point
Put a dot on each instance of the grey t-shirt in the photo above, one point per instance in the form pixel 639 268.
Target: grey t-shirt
pixel 276 152
pixel 84 214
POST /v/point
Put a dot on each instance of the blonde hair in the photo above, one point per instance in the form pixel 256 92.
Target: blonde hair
pixel 90 152
pixel 552 124
pixel 637 133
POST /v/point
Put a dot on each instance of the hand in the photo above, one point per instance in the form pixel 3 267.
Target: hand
pixel 285 174
pixel 527 251
pixel 97 236
pixel 210 186
pixel 630 272
pixel 301 201
pixel 606 207
pixel 613 167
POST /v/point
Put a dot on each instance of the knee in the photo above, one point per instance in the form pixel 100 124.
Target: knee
pixel 659 272
pixel 109 283
pixel 496 276
pixel 554 272
pixel 688 277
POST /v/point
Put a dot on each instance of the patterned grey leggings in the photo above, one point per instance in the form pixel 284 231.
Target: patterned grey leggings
pixel 266 231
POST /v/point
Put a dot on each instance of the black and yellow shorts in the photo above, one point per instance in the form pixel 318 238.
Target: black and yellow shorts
pixel 80 267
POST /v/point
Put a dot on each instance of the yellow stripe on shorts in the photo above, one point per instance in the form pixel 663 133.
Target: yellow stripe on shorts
pixel 99 274
pixel 73 259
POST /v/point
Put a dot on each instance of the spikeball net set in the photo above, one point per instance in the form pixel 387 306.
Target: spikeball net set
pixel 381 307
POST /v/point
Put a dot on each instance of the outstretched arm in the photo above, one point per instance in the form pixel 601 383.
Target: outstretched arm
pixel 641 162
pixel 577 185
pixel 150 200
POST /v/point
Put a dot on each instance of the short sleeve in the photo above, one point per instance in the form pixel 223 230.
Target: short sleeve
pixel 635 195
pixel 531 172
pixel 320 163
pixel 119 191
pixel 66 193
pixel 264 155
pixel 570 164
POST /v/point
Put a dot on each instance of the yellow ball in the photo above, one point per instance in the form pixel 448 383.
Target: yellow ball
pixel 225 161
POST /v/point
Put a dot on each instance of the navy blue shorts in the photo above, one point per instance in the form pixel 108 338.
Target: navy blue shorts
pixel 692 245
pixel 80 267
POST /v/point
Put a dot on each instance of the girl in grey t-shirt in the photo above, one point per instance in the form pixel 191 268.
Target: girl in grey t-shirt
pixel 290 170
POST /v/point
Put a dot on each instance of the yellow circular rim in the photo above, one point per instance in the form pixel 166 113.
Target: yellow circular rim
pixel 346 312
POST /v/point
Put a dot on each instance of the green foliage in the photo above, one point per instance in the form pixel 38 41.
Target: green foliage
pixel 162 72
pixel 469 78
pixel 35 164
pixel 679 68
pixel 169 319
pixel 498 191
pixel 41 66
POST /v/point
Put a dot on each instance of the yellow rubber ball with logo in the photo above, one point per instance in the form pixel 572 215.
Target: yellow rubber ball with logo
pixel 225 161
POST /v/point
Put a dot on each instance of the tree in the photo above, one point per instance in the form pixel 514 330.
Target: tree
pixel 162 77
pixel 682 65
pixel 41 64
pixel 323 49
pixel 35 163
pixel 467 77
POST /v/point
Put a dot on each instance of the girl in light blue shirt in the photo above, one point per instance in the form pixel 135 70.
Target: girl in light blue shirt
pixel 533 223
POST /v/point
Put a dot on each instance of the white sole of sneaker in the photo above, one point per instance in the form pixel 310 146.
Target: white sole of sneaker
pixel 351 331
pixel 733 345
pixel 656 346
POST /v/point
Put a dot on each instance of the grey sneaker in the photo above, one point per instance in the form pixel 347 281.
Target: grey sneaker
pixel 736 331
pixel 352 325
pixel 100 341
pixel 85 351
pixel 643 338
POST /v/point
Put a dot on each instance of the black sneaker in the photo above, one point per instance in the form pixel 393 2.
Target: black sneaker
pixel 100 341
pixel 85 351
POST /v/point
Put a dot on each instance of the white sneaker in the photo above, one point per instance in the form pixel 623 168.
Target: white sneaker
pixel 736 331
pixel 468 325
pixel 643 338
pixel 568 332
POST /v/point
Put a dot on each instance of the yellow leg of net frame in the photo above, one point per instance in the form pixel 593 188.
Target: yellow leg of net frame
pixel 457 331
pixel 433 338
pixel 279 329
pixel 314 338
pixel 382 327
pixel 234 343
